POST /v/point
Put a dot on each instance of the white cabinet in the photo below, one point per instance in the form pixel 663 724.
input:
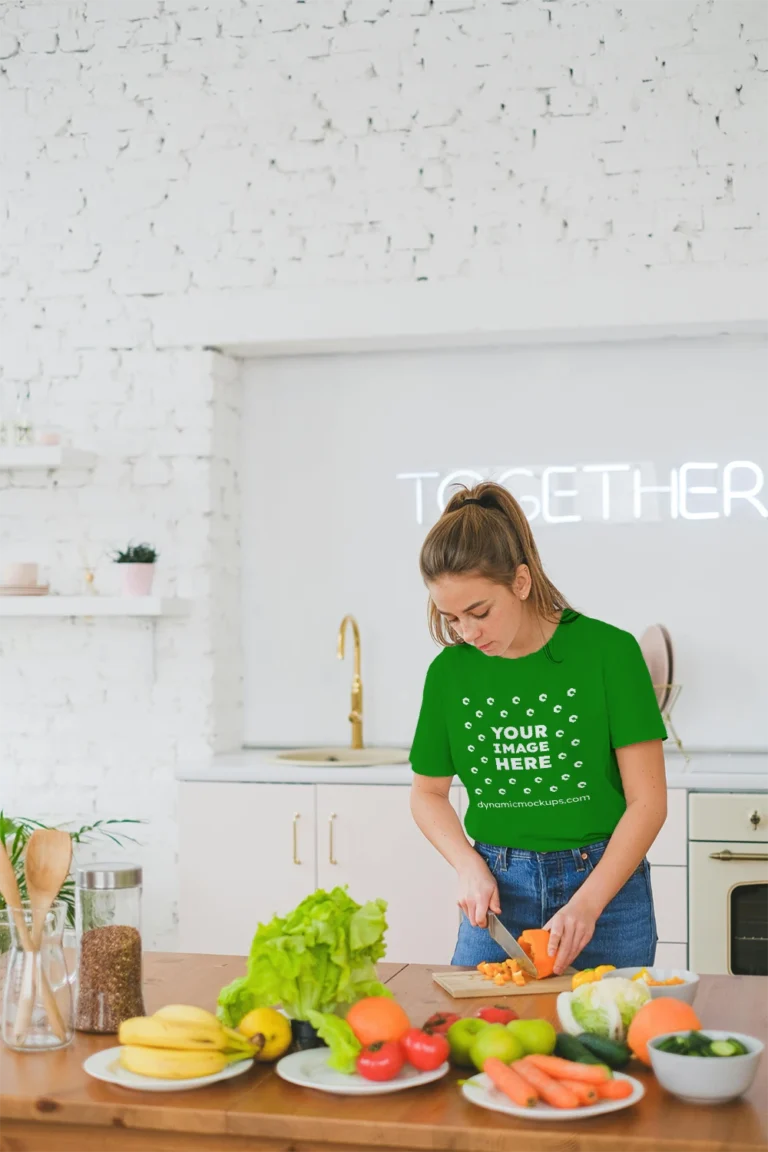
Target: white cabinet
pixel 367 839
pixel 671 844
pixel 247 851
pixel 671 956
pixel 669 880
pixel 670 899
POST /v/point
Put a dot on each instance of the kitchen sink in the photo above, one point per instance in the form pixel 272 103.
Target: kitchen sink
pixel 344 757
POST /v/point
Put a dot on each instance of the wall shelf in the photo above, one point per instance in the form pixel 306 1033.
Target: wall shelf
pixel 45 458
pixel 141 606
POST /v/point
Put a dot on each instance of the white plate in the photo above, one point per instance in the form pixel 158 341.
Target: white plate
pixel 104 1066
pixel 310 1070
pixel 480 1091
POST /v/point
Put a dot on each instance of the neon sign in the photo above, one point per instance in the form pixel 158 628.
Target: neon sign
pixel 614 492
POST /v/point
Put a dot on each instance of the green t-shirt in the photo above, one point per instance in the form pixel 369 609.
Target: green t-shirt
pixel 533 739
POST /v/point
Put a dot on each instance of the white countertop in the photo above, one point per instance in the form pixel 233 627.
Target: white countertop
pixel 706 771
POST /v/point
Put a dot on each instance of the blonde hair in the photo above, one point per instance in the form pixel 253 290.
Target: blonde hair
pixel 491 538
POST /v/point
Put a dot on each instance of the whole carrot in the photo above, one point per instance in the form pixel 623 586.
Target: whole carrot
pixel 553 1092
pixel 504 1078
pixel 584 1093
pixel 614 1089
pixel 569 1070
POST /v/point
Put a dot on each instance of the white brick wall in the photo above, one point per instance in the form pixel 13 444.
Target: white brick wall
pixel 154 147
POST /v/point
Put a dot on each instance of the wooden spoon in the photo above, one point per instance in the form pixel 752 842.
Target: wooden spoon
pixel 10 893
pixel 47 862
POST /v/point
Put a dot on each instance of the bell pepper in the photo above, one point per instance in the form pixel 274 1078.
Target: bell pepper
pixel 591 975
pixel 587 976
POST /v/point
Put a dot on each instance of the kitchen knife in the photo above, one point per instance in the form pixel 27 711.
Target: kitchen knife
pixel 510 945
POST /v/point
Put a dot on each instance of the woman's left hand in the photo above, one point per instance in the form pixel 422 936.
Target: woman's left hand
pixel 571 929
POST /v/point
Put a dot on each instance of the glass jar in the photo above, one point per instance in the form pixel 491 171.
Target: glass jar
pixel 37 993
pixel 108 915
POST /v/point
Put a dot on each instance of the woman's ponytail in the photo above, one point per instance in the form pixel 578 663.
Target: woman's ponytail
pixel 484 531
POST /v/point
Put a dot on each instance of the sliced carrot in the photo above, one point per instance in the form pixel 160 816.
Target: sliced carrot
pixel 569 1070
pixel 504 1078
pixel 585 1093
pixel 614 1090
pixel 551 1091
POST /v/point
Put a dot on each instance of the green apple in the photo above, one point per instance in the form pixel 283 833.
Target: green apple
pixel 535 1036
pixel 460 1036
pixel 495 1040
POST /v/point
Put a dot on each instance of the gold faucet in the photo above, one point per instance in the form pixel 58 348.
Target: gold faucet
pixel 356 712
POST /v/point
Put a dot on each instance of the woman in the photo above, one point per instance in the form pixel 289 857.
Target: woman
pixel 550 720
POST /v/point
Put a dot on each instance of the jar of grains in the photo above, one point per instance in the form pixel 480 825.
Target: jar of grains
pixel 108 914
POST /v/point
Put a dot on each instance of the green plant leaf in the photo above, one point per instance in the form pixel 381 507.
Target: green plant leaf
pixel 15 833
pixel 135 554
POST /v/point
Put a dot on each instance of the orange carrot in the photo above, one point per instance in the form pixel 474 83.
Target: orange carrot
pixel 507 1081
pixel 553 1092
pixel 614 1089
pixel 569 1070
pixel 584 1093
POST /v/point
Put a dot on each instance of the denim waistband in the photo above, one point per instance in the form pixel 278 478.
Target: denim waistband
pixel 577 855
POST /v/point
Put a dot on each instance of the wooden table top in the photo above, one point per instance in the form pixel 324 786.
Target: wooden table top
pixel 47 1102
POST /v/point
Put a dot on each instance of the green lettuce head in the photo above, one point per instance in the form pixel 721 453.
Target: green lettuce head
pixel 321 955
pixel 605 1008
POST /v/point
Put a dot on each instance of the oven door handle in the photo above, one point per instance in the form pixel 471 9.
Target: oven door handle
pixel 726 855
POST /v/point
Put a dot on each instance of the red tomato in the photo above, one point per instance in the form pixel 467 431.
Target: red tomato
pixel 425 1050
pixel 440 1022
pixel 496 1014
pixel 381 1061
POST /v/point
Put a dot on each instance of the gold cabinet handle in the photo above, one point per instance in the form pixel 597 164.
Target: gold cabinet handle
pixel 728 855
pixel 296 817
pixel 331 857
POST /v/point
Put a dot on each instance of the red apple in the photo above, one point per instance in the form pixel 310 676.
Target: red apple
pixel 496 1014
pixel 440 1022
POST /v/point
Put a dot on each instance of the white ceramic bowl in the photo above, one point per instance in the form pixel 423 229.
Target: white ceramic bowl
pixel 706 1079
pixel 686 992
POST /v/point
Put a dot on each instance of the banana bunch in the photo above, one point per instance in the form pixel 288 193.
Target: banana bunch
pixel 180 1042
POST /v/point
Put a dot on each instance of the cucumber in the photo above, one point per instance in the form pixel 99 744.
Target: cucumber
pixel 698 1044
pixel 727 1048
pixel 609 1052
pixel 569 1048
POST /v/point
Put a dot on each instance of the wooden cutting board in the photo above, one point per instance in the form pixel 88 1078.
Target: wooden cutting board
pixel 465 985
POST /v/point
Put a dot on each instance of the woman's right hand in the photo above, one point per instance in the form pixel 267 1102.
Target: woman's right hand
pixel 478 892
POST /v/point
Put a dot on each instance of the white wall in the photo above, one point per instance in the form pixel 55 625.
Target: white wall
pixel 328 529
pixel 154 149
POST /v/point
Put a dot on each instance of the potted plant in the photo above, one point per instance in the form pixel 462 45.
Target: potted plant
pixel 138 569
pixel 15 831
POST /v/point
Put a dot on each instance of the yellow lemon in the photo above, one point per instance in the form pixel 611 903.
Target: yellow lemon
pixel 269 1032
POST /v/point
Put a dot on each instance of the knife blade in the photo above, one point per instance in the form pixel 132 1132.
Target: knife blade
pixel 510 945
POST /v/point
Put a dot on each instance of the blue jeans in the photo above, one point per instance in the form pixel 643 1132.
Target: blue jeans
pixel 534 885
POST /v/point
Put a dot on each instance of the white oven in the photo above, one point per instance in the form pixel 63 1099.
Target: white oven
pixel 728 883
